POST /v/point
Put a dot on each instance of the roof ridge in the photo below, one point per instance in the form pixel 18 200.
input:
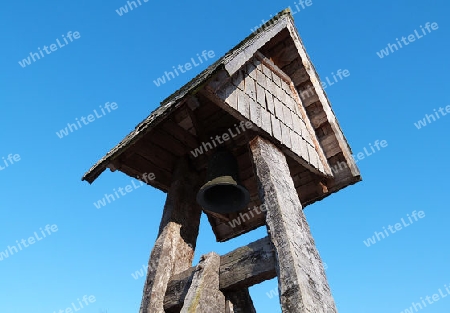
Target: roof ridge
pixel 216 65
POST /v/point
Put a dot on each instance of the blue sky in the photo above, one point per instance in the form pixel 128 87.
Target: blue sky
pixel 116 59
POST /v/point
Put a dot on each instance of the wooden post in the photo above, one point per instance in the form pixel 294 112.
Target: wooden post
pixel 239 301
pixel 204 294
pixel 302 283
pixel 174 248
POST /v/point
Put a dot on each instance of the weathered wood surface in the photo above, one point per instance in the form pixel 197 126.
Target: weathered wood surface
pixel 254 43
pixel 204 295
pixel 264 94
pixel 281 43
pixel 177 290
pixel 319 95
pixel 174 248
pixel 301 277
pixel 239 301
pixel 248 265
pixel 239 269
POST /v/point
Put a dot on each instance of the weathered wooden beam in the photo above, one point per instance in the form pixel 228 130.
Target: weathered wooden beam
pixel 143 165
pixel 239 301
pixel 181 134
pixel 159 156
pixel 239 269
pixel 247 266
pixel 301 277
pixel 138 175
pixel 204 294
pixel 254 44
pixel 174 248
pixel 274 68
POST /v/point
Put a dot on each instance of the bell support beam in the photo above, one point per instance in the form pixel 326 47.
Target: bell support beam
pixel 174 248
pixel 302 284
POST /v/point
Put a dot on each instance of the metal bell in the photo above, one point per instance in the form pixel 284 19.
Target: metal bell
pixel 223 193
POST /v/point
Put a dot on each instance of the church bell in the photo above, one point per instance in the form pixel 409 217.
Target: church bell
pixel 222 193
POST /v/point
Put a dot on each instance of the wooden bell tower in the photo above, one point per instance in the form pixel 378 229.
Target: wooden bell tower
pixel 293 154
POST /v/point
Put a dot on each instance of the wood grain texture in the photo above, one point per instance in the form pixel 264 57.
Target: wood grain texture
pixel 204 295
pixel 301 277
pixel 243 104
pixel 173 251
pixel 276 128
pixel 255 112
pixel 285 135
pixel 248 265
pixel 239 301
pixel 228 94
pixel 261 95
pixel 266 123
pixel 269 102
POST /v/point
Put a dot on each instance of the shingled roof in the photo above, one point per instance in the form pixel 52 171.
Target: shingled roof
pixel 237 55
pixel 271 63
pixel 278 46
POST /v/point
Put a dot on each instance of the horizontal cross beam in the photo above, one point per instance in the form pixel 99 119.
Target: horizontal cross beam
pixel 241 268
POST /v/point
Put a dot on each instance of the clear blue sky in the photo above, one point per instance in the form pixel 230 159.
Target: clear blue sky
pixel 116 58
